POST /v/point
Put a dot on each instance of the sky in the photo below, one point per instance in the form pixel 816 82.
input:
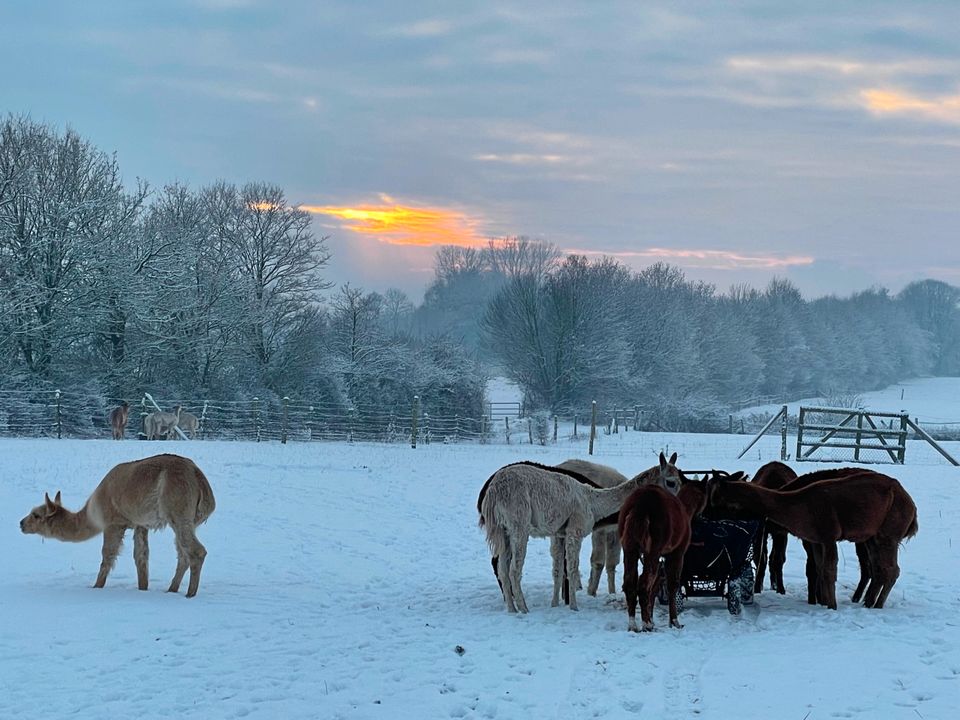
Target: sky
pixel 818 141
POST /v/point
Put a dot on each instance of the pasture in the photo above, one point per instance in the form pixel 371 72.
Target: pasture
pixel 352 581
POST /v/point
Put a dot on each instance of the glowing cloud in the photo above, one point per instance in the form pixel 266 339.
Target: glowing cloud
pixel 890 102
pixel 713 259
pixel 405 225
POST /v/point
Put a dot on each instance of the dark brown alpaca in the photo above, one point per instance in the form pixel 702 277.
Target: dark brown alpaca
pixel 866 507
pixel 773 475
pixel 654 523
pixel 118 419
pixel 814 595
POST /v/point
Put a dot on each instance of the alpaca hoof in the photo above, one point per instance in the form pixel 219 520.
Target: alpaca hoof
pixel 676 624
pixel 648 627
pixel 191 594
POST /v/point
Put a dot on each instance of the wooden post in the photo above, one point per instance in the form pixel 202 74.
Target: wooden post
pixel 902 439
pixel 856 450
pixel 256 417
pixel 530 429
pixel 636 417
pixel 415 418
pixel 426 428
pixel 574 425
pixel 506 422
pixel 483 429
pixel 456 427
pixel 285 420
pixel 783 435
pixel 56 396
pixel 800 415
pixel 555 428
pixel 143 414
pixel 203 421
pixel 593 423
pixel 731 423
pixel 616 422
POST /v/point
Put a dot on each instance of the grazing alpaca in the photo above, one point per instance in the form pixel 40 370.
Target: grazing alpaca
pixel 146 494
pixel 814 595
pixel 654 523
pixel 523 501
pixel 605 541
pixel 773 476
pixel 187 422
pixel 159 425
pixel 118 419
pixel 867 507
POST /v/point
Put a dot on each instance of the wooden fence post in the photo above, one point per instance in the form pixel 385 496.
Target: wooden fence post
pixel 506 422
pixel 530 429
pixel 285 420
pixel 56 396
pixel 256 417
pixel 800 415
pixel 731 423
pixel 555 423
pixel 783 434
pixel 413 421
pixel 575 434
pixel 593 423
pixel 483 429
pixel 616 421
pixel 203 421
pixel 856 450
pixel 426 428
pixel 636 417
pixel 902 439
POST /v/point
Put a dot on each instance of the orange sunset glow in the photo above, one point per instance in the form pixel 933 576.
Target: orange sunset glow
pixel 406 225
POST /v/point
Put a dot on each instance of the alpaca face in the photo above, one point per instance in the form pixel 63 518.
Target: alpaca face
pixel 670 475
pixel 42 518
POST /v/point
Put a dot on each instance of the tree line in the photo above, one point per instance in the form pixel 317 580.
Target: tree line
pixel 112 289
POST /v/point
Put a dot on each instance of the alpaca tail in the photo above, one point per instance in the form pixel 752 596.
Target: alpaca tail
pixel 633 528
pixel 496 535
pixel 205 502
pixel 912 530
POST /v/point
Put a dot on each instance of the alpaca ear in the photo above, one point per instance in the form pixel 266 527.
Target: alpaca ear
pixel 673 459
pixel 56 500
pixel 663 461
pixel 48 502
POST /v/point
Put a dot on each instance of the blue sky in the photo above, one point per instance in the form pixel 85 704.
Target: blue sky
pixel 737 140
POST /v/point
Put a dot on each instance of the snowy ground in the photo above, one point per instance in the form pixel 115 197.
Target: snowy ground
pixel 341 578
pixel 931 401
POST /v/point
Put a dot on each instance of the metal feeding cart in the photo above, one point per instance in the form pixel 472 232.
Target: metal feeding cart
pixel 719 561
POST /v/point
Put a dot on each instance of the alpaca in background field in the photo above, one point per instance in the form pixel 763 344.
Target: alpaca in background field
pixel 118 419
pixel 523 501
pixel 654 523
pixel 146 494
pixel 187 422
pixel 159 425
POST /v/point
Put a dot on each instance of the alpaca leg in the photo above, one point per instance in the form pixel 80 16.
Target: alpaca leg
pixel 557 546
pixel 612 544
pixel 828 574
pixel 631 585
pixel 112 542
pixel 866 573
pixel 195 552
pixel 572 547
pixel 493 562
pixel 760 556
pixel 778 558
pixel 887 570
pixel 141 556
pixel 598 554
pixel 504 561
pixel 648 588
pixel 813 574
pixel 516 570
pixel 182 564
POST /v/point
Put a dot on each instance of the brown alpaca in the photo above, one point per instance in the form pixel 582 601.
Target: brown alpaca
pixel 814 594
pixel 773 476
pixel 146 494
pixel 867 507
pixel 655 523
pixel 118 419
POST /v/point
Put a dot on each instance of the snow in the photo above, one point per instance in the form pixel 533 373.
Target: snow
pixel 341 579
pixel 932 401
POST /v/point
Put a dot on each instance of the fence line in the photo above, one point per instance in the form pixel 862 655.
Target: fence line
pixel 77 415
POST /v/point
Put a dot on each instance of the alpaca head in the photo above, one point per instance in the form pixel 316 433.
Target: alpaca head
pixel 670 475
pixel 718 498
pixel 42 520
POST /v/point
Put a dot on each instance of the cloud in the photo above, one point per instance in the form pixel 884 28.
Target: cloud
pixel 397 224
pixel 945 108
pixel 711 259
pixel 524 158
pixel 426 28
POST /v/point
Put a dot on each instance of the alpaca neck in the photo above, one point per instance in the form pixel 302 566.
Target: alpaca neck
pixel 608 501
pixel 74 526
pixel 692 500
pixel 777 506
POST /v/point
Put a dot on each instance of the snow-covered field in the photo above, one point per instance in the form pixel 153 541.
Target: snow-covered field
pixel 932 401
pixel 341 579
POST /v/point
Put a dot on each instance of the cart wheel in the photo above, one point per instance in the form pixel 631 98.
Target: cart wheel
pixel 733 596
pixel 664 599
pixel 747 580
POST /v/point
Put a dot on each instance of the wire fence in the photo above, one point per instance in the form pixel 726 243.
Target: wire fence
pixel 27 413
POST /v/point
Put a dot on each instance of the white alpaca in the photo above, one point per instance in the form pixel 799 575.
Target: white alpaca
pixel 526 500
pixel 605 550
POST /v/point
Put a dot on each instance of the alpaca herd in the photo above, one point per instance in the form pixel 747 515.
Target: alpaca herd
pixel 157 425
pixel 650 517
